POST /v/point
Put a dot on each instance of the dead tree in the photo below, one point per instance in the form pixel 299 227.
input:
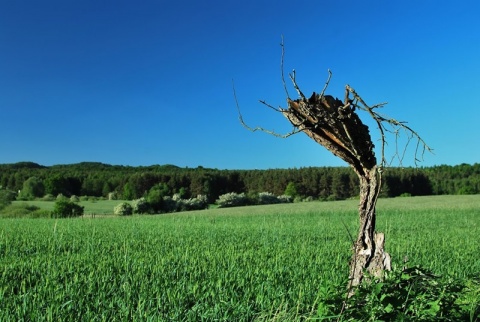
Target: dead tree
pixel 335 124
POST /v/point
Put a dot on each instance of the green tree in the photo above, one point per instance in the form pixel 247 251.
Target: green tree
pixel 32 188
pixel 291 190
pixel 6 197
pixel 128 192
pixel 156 196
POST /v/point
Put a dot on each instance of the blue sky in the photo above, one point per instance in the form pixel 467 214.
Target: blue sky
pixel 150 82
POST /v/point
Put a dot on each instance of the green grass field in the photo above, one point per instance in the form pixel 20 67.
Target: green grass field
pixel 97 207
pixel 239 264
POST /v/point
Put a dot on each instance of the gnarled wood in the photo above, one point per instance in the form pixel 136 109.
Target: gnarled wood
pixel 335 125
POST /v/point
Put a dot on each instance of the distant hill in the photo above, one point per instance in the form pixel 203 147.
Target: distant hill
pixel 22 165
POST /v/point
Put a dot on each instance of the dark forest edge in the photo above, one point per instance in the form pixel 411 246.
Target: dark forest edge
pixel 319 183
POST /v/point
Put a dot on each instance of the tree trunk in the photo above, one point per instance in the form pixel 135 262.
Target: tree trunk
pixel 368 251
pixel 335 125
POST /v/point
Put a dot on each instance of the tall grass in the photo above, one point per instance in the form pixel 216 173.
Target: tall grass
pixel 240 264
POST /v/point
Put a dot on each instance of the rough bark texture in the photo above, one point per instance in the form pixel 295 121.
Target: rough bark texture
pixel 335 125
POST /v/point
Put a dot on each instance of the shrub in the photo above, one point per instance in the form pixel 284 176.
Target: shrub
pixel 60 196
pixel 112 196
pixel 232 199
pixel 65 208
pixel 308 199
pixel 40 213
pixel 48 197
pixel 266 198
pixel 285 199
pixel 169 205
pixel 74 198
pixel 298 199
pixel 141 206
pixel 123 209
pixel 198 203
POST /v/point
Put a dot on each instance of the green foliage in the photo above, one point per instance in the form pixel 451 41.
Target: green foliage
pixel 410 294
pixel 66 185
pixel 156 197
pixel 123 209
pixel 141 206
pixel 128 191
pixel 338 183
pixel 291 190
pixel 467 190
pixel 32 188
pixel 65 208
pixel 6 197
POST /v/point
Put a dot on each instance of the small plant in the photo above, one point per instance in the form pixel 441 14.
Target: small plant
pixel 123 209
pixel 410 294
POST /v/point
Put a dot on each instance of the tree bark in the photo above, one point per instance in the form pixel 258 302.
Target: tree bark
pixel 335 125
pixel 368 253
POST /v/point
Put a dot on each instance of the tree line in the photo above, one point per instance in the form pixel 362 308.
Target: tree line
pixel 323 183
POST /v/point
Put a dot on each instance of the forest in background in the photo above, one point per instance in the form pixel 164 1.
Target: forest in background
pixel 322 183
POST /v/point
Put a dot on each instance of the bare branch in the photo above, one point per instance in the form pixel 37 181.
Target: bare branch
pixel 282 69
pixel 270 106
pixel 261 129
pixel 292 78
pixel 326 84
pixel 396 125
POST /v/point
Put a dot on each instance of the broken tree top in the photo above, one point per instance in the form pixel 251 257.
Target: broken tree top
pixel 335 125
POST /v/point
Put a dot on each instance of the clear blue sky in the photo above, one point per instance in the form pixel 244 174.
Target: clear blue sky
pixel 150 82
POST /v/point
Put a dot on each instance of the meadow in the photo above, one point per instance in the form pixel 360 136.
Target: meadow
pixel 257 263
